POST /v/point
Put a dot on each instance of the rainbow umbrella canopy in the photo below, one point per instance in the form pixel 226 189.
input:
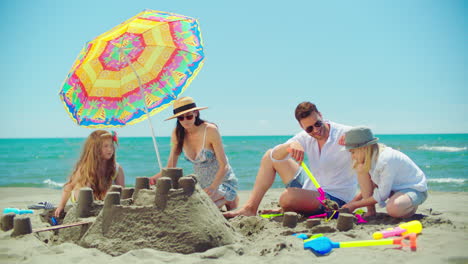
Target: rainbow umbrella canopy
pixel 135 70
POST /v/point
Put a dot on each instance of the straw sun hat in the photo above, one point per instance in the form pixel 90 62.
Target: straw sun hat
pixel 359 137
pixel 184 105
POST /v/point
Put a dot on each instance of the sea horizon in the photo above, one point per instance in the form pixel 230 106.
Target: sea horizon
pixel 380 134
pixel 47 162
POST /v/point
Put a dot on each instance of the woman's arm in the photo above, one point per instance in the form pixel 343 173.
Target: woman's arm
pixel 172 160
pixel 214 139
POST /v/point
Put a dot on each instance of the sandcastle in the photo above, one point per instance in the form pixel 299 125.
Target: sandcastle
pixel 176 216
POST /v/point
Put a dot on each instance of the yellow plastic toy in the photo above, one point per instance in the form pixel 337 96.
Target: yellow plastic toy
pixel 410 227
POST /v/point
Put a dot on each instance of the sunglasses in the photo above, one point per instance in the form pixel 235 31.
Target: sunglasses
pixel 317 124
pixel 181 118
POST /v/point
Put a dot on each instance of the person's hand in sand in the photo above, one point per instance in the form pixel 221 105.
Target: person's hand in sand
pixel 58 211
pixel 351 206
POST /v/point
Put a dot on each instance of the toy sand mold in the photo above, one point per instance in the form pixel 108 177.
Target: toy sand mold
pixel 169 218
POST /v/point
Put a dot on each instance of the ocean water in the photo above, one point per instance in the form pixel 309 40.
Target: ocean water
pixel 47 163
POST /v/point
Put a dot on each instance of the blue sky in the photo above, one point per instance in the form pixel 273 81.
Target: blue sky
pixel 396 66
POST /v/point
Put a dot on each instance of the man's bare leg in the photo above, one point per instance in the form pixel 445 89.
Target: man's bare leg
pixel 265 178
pixel 299 200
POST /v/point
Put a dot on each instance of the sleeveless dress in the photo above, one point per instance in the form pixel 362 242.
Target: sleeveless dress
pixel 205 167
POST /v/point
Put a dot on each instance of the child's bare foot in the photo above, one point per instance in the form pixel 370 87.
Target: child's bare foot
pixel 370 211
pixel 369 214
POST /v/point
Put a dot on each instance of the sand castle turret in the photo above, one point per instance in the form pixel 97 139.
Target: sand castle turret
pixel 176 216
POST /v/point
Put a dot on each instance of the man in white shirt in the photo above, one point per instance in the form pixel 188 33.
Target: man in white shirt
pixel 329 162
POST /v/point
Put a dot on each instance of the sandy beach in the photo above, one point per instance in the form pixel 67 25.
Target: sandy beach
pixel 444 238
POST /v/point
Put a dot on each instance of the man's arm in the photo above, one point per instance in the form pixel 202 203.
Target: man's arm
pixel 292 148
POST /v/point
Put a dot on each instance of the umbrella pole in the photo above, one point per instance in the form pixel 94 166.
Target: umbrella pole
pixel 146 109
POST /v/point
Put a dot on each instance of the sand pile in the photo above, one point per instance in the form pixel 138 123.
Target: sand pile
pixel 167 218
pixel 443 238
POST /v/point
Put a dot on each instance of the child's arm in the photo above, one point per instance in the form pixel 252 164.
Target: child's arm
pixel 67 191
pixel 120 179
pixel 357 197
pixel 361 203
pixel 384 181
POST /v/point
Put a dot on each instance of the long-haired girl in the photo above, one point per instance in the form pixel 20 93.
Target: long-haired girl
pixel 96 169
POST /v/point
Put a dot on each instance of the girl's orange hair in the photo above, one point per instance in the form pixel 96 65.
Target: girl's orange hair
pixel 91 170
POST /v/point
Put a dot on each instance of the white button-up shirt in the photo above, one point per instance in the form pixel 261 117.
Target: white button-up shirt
pixel 395 171
pixel 331 166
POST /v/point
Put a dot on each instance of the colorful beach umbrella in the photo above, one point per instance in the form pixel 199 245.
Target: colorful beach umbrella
pixel 135 70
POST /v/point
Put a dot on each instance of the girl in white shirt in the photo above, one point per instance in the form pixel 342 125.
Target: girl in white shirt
pixel 385 175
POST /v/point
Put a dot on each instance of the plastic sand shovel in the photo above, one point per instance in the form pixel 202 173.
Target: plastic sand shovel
pixel 321 198
pixel 271 215
pixel 410 227
pixel 17 211
pixel 312 178
pixel 324 215
pixel 323 245
pixel 360 220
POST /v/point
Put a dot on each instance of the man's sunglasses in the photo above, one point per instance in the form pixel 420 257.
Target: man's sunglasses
pixel 181 118
pixel 317 124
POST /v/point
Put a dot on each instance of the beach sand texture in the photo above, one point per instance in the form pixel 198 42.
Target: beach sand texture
pixel 444 238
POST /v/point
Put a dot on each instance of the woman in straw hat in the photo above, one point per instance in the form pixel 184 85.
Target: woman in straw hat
pixel 201 145
pixel 384 174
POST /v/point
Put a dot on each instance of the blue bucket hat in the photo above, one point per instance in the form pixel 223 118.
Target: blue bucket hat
pixel 359 137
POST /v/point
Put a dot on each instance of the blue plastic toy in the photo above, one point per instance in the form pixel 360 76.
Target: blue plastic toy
pixel 322 245
pixel 17 211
